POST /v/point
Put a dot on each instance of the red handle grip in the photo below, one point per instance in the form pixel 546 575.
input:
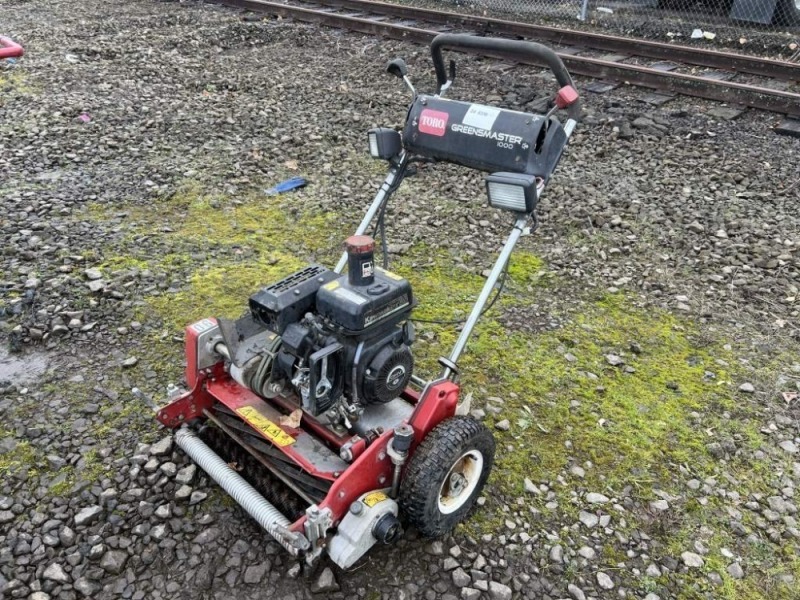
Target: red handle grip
pixel 9 48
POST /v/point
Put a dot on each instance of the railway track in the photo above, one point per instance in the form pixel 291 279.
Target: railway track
pixel 746 81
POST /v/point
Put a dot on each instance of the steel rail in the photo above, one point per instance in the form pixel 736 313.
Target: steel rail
pixel 726 61
pixel 780 101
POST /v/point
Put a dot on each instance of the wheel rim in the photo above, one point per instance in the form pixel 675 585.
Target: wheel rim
pixel 461 481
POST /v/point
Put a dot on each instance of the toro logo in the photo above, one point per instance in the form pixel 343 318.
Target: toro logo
pixel 433 122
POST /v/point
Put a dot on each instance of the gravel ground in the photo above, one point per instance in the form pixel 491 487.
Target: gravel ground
pixel 639 370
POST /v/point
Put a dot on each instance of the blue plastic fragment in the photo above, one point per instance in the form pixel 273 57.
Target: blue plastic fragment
pixel 287 186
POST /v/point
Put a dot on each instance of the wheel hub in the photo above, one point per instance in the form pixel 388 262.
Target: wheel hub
pixel 457 484
pixel 460 482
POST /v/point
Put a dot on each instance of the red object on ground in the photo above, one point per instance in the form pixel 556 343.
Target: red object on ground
pixel 9 48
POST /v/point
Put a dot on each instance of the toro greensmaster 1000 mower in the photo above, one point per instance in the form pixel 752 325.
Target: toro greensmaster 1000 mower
pixel 330 441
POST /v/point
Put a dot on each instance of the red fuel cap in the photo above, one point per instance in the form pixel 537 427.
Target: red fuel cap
pixel 359 244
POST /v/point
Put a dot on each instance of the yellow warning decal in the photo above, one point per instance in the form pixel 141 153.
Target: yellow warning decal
pixel 390 275
pixel 332 285
pixel 373 498
pixel 265 426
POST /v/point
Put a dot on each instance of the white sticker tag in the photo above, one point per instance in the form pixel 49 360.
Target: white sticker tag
pixel 482 117
pixel 366 269
pixel 204 325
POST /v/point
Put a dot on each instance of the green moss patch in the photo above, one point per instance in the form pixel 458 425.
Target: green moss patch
pixel 634 397
pixel 21 456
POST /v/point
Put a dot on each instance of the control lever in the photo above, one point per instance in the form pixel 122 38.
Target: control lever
pixel 565 97
pixel 450 79
pixel 399 69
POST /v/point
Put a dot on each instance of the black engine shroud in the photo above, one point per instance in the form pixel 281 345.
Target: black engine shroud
pixel 338 340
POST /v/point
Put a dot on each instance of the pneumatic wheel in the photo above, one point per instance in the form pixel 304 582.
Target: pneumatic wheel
pixel 446 474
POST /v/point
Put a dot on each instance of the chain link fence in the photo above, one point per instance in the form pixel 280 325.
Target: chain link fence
pixel 765 27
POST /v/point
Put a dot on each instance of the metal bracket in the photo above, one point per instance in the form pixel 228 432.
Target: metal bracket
pixel 317 524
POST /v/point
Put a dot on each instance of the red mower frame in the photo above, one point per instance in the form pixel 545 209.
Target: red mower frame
pixel 372 467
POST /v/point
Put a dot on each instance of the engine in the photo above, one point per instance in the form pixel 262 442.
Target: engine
pixel 340 343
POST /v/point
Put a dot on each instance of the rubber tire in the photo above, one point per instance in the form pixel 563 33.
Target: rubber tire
pixel 431 463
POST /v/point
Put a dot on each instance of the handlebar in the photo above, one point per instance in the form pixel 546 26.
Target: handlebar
pixel 9 48
pixel 509 49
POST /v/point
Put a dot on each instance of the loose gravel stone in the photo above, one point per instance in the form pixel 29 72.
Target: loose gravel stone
pixel 460 578
pixel 576 592
pixel 450 563
pixel 325 583
pixel 604 581
pixel 255 574
pixel 659 505
pixel 468 593
pixel 88 515
pixel 531 488
pixel 588 519
pixel 55 572
pixel 789 446
pixel 735 570
pixel 499 591
pixel 595 498
pixel 162 447
pixel 186 474
pixel 114 561
pixel 556 554
pixel 183 493
pixel 692 560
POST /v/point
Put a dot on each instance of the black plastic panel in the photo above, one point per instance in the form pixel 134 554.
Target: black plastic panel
pixel 484 137
pixel 356 308
pixel 286 301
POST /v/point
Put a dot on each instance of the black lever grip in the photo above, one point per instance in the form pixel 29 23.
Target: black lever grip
pixel 397 67
pixel 509 49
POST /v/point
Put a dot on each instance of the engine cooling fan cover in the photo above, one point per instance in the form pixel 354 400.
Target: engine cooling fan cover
pixel 388 373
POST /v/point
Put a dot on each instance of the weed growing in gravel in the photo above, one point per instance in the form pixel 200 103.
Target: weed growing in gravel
pixel 22 456
pixel 15 82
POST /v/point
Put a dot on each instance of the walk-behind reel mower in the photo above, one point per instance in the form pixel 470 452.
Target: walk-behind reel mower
pixel 330 440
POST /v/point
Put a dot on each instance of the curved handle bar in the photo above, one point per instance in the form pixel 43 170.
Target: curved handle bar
pixel 510 49
pixel 9 48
